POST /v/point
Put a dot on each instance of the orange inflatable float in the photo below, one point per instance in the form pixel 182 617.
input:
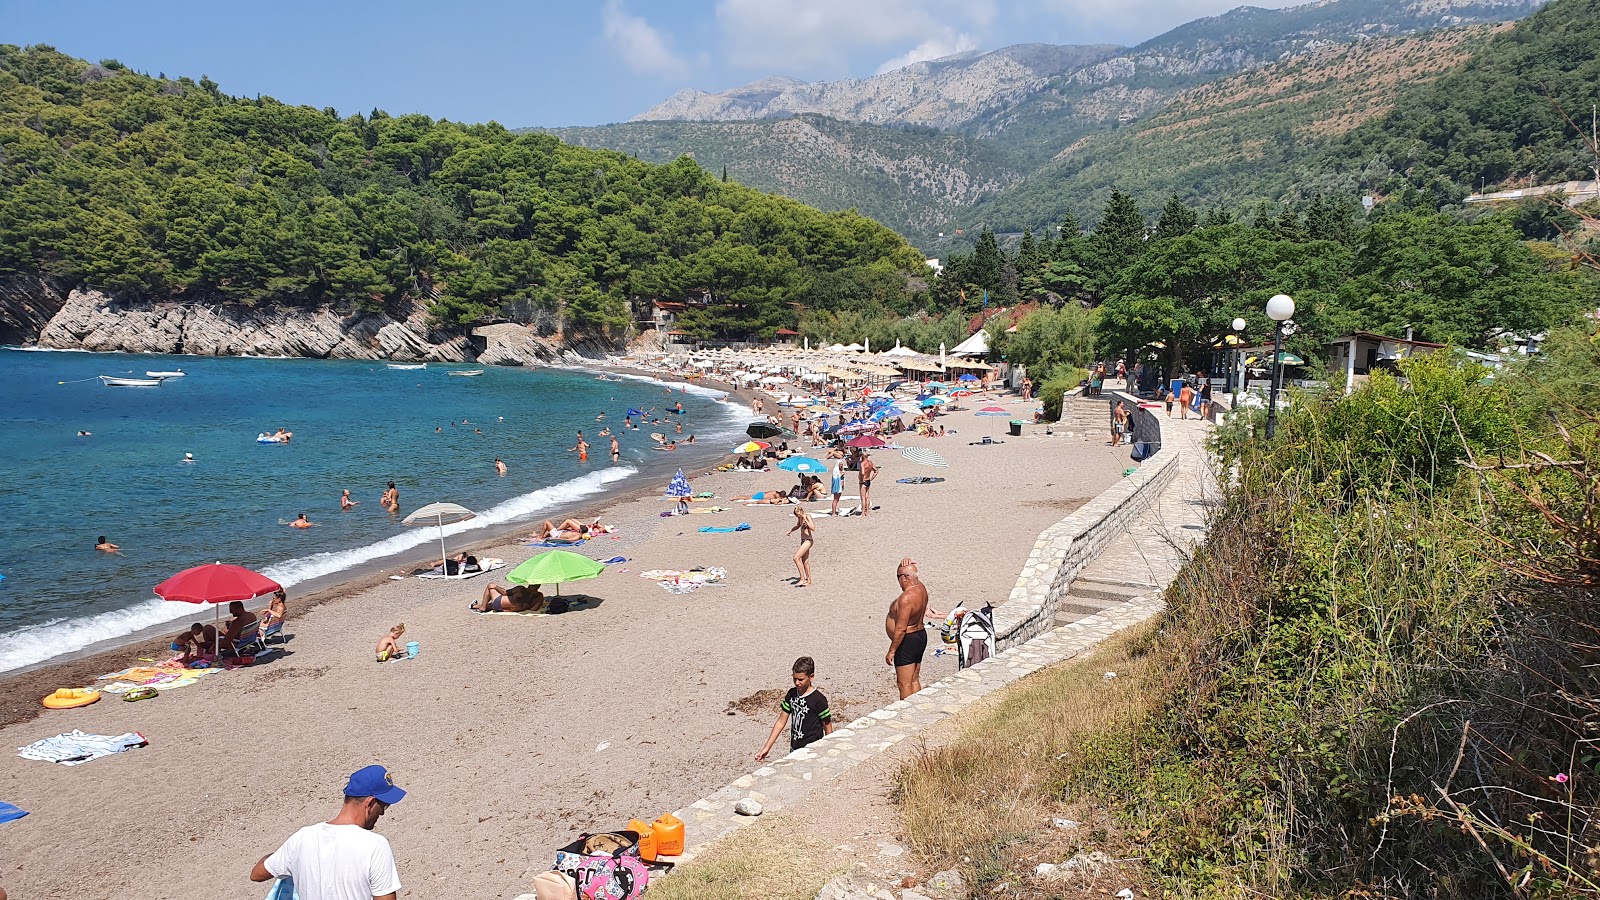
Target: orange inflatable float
pixel 69 698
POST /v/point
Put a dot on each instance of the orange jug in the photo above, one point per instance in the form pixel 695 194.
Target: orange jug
pixel 668 831
pixel 647 839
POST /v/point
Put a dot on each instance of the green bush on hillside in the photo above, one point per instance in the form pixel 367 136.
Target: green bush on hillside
pixel 1368 686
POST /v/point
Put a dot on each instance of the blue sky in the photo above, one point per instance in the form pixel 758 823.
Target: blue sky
pixel 539 62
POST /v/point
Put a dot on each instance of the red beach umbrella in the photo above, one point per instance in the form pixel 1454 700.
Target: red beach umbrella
pixel 867 442
pixel 215 584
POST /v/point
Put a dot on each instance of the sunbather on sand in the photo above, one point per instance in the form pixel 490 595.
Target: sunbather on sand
pixel 569 531
pixel 517 598
pixel 773 497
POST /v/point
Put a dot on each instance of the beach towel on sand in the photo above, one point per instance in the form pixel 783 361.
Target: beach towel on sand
pixel 9 812
pixel 553 543
pixel 724 529
pixel 484 565
pixel 76 748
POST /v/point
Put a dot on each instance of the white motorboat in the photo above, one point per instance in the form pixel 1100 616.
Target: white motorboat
pixel 408 365
pixel 118 381
pixel 464 373
pixel 165 375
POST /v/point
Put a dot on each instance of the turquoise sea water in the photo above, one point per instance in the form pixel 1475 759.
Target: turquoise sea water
pixel 356 425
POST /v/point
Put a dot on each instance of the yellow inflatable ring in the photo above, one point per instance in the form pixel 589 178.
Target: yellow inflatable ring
pixel 67 698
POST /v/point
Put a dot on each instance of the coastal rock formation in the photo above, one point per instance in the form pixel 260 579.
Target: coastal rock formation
pixel 36 313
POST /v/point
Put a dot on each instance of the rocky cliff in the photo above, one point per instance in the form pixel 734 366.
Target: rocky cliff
pixel 36 313
pixel 942 93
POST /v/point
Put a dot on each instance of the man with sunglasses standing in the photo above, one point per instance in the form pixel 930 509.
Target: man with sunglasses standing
pixel 342 859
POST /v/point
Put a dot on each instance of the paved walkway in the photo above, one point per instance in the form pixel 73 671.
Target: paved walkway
pixel 1159 541
pixel 1120 589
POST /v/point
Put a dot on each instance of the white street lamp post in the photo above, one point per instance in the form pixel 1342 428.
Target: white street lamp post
pixel 1280 309
pixel 1237 375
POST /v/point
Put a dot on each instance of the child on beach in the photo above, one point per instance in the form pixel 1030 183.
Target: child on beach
pixel 804 711
pixel 389 648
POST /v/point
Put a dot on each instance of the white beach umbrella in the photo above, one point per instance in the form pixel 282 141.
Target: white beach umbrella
pixel 440 514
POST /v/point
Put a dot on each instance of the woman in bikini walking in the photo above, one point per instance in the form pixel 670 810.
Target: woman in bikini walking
pixel 802 556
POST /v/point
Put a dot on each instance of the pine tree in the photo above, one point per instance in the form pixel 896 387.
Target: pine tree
pixel 1120 237
pixel 1176 220
pixel 1216 217
pixel 987 262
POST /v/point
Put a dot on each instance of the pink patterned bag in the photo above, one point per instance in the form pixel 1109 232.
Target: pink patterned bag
pixel 606 866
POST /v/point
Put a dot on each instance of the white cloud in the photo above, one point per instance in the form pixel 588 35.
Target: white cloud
pixel 822 37
pixel 947 44
pixel 638 44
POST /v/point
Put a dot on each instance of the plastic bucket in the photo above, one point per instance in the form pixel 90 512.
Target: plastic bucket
pixel 413 648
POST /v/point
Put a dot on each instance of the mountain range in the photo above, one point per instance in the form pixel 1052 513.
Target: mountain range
pixel 926 147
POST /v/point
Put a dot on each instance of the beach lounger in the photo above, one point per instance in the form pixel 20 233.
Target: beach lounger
pixel 256 638
pixel 484 565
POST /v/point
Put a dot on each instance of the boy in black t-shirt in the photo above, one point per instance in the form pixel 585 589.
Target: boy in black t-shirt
pixel 804 710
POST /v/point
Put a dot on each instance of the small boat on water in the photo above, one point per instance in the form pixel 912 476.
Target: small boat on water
pixel 464 373
pixel 165 375
pixel 119 381
pixel 408 365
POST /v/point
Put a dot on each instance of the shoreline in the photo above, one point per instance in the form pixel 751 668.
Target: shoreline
pixel 21 688
pixel 514 733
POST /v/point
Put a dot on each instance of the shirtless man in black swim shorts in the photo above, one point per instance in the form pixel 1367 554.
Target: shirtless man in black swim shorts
pixel 908 637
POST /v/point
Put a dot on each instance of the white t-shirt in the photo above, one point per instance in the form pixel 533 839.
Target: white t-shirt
pixel 337 862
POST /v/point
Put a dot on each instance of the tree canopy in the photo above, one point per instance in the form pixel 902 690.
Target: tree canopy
pixel 172 189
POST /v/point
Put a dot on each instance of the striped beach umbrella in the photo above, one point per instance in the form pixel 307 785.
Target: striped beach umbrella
pixel 925 456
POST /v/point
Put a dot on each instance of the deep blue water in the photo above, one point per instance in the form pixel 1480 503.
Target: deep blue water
pixel 356 425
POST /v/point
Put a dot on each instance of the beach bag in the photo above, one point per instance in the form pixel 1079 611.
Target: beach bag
pixel 605 866
pixel 556 605
pixel 975 641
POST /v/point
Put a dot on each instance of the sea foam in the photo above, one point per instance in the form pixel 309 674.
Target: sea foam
pixel 37 643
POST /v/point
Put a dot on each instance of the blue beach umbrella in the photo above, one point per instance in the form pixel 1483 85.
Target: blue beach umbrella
pixel 679 486
pixel 803 464
pixel 968 377
pixel 934 401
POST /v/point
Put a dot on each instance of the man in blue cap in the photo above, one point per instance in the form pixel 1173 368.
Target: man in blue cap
pixel 342 859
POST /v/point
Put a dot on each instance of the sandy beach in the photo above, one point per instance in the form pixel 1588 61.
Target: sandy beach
pixel 515 733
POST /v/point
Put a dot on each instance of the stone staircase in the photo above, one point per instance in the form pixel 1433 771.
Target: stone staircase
pixel 1088 597
pixel 1085 419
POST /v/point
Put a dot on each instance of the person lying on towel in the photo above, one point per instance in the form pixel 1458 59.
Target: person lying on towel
pixel 517 598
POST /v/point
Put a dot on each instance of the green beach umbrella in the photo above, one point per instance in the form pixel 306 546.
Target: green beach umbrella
pixel 555 567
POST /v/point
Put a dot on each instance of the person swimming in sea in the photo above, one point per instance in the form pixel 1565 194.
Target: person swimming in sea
pixel 345 503
pixel 106 546
pixel 302 522
pixel 499 466
pixel 188 457
pixel 83 434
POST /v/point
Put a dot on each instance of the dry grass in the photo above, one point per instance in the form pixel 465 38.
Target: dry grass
pixel 984 801
pixel 770 860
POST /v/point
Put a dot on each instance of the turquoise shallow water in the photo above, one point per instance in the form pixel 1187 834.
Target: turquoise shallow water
pixel 357 425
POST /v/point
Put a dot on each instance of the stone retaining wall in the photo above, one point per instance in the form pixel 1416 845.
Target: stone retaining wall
pixel 1065 548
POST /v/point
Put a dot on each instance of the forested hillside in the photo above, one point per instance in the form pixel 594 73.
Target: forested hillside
pixel 1227 141
pixel 1435 116
pixel 908 178
pixel 172 189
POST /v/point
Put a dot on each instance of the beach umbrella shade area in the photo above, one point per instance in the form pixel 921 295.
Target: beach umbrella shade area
pixel 924 456
pixel 760 430
pixel 216 584
pixel 867 442
pixel 556 567
pixel 439 515
pixel 805 465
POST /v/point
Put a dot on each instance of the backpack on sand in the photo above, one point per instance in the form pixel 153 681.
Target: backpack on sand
pixel 605 866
